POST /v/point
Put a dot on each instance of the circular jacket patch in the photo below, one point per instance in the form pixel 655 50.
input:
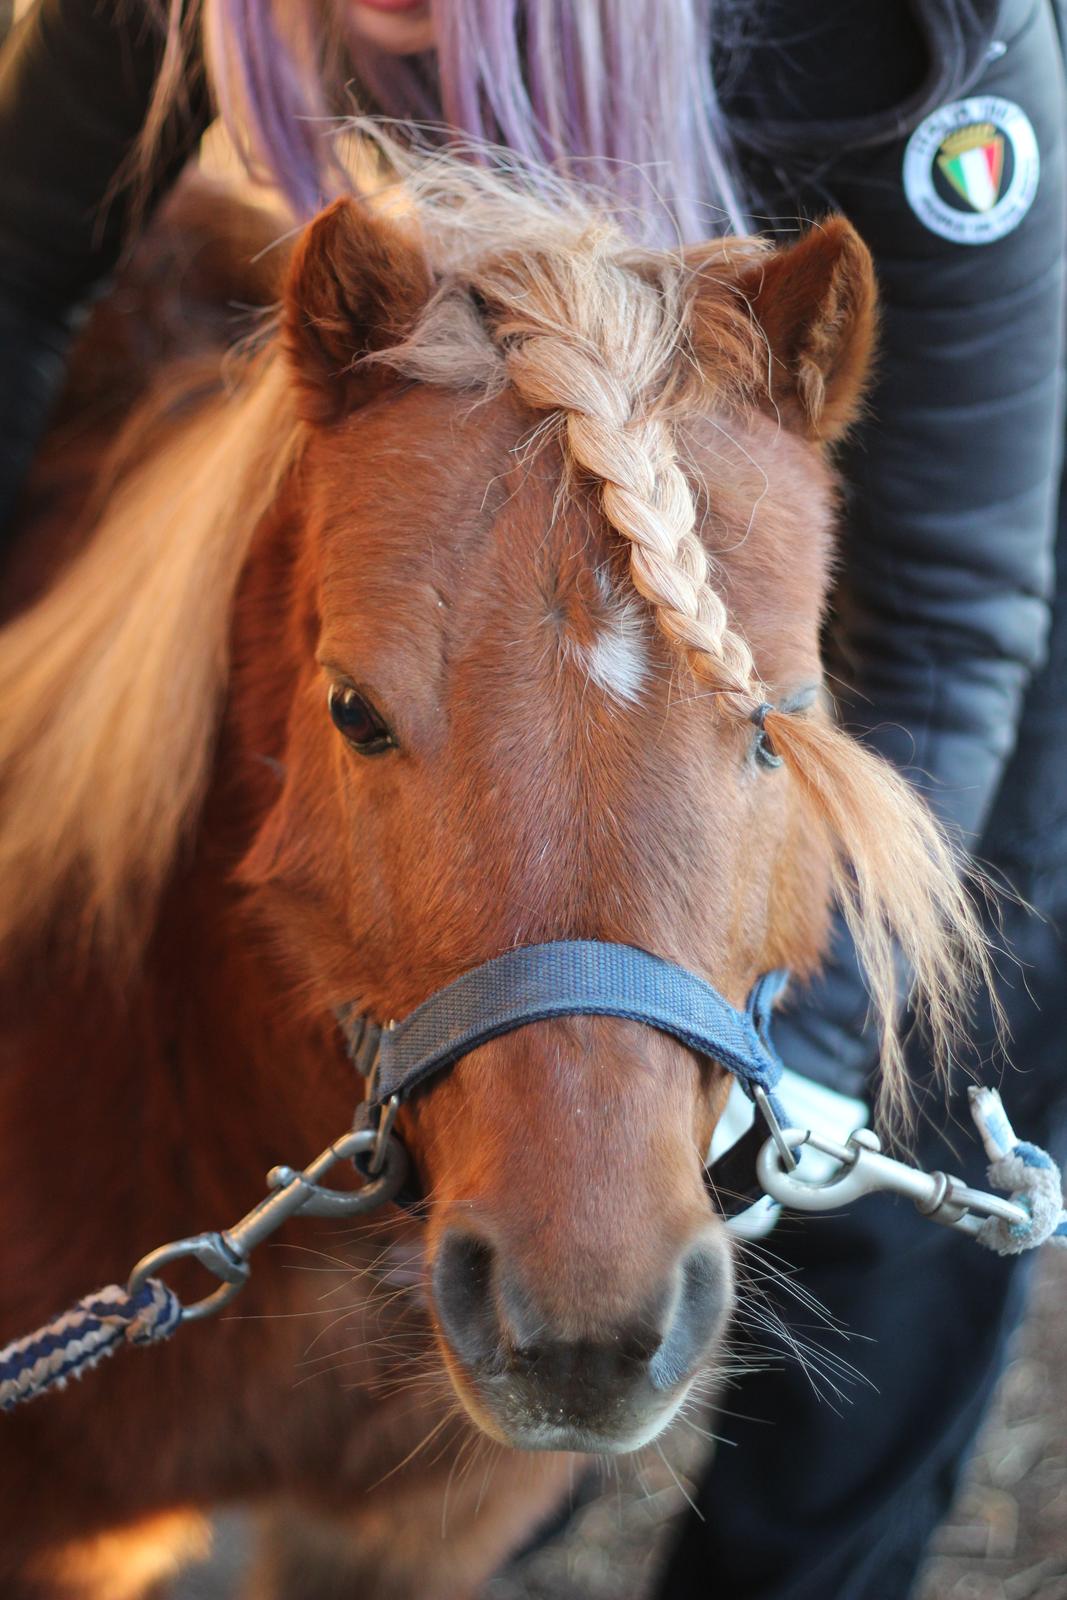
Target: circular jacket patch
pixel 971 169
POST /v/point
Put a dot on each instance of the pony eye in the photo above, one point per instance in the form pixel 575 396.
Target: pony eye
pixel 357 719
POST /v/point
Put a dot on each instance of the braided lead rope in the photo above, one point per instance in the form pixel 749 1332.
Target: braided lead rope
pixel 1027 1172
pixel 78 1339
pixel 146 1311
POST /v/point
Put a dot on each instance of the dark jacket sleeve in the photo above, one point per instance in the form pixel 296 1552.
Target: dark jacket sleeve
pixel 76 78
pixel 942 608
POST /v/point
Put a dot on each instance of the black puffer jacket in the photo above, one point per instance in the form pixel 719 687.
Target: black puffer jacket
pixel 943 601
pixel 76 78
pixel 946 562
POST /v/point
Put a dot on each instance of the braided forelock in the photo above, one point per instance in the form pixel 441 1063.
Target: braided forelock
pixel 587 337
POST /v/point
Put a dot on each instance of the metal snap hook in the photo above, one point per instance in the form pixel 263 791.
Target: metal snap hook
pixel 866 1169
pixel 293 1191
pixel 215 1252
pixel 316 1200
pixel 786 1186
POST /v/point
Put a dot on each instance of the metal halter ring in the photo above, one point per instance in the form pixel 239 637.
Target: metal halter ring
pixel 765 751
pixel 383 1136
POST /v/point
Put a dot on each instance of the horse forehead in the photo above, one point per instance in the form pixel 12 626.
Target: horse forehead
pixel 555 576
pixel 455 531
pixel 412 481
pixel 448 529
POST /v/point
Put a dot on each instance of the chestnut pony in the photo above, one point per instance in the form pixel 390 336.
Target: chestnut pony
pixel 429 627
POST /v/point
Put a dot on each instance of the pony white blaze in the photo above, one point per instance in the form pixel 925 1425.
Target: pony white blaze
pixel 615 663
pixel 617 660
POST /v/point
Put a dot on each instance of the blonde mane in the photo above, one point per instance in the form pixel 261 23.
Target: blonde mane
pixel 113 680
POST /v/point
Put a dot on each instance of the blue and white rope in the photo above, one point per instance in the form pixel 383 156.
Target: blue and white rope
pixel 1030 1175
pixel 80 1338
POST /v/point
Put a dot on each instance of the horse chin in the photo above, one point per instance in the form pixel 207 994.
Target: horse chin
pixel 498 1407
pixel 578 1439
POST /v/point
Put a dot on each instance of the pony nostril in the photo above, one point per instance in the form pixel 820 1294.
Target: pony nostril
pixel 526 1360
pixel 641 1345
pixel 699 1312
pixel 463 1294
pixel 527 1355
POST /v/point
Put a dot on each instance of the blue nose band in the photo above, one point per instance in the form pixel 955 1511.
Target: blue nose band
pixel 567 978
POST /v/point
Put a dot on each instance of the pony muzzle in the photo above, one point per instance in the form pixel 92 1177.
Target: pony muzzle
pixel 534 1375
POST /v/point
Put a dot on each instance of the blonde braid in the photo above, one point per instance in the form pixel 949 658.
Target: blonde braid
pixel 644 493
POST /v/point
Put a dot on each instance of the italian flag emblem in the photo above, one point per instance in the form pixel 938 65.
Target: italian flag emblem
pixel 972 160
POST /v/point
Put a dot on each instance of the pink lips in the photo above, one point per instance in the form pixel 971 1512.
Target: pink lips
pixel 395 5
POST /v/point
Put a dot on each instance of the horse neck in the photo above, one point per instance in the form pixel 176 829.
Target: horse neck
pixel 152 1105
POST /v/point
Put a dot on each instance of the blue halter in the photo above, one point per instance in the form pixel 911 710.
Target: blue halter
pixel 566 978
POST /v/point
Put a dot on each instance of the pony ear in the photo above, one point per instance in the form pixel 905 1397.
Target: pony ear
pixel 357 284
pixel 814 303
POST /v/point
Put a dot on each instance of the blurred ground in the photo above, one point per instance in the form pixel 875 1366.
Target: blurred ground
pixel 1006 1539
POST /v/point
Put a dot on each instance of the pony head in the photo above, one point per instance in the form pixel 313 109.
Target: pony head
pixel 565 527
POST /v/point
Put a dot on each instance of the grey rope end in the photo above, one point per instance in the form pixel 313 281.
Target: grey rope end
pixel 1030 1175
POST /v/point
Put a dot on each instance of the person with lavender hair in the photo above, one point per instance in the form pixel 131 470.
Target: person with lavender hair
pixel 938 127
